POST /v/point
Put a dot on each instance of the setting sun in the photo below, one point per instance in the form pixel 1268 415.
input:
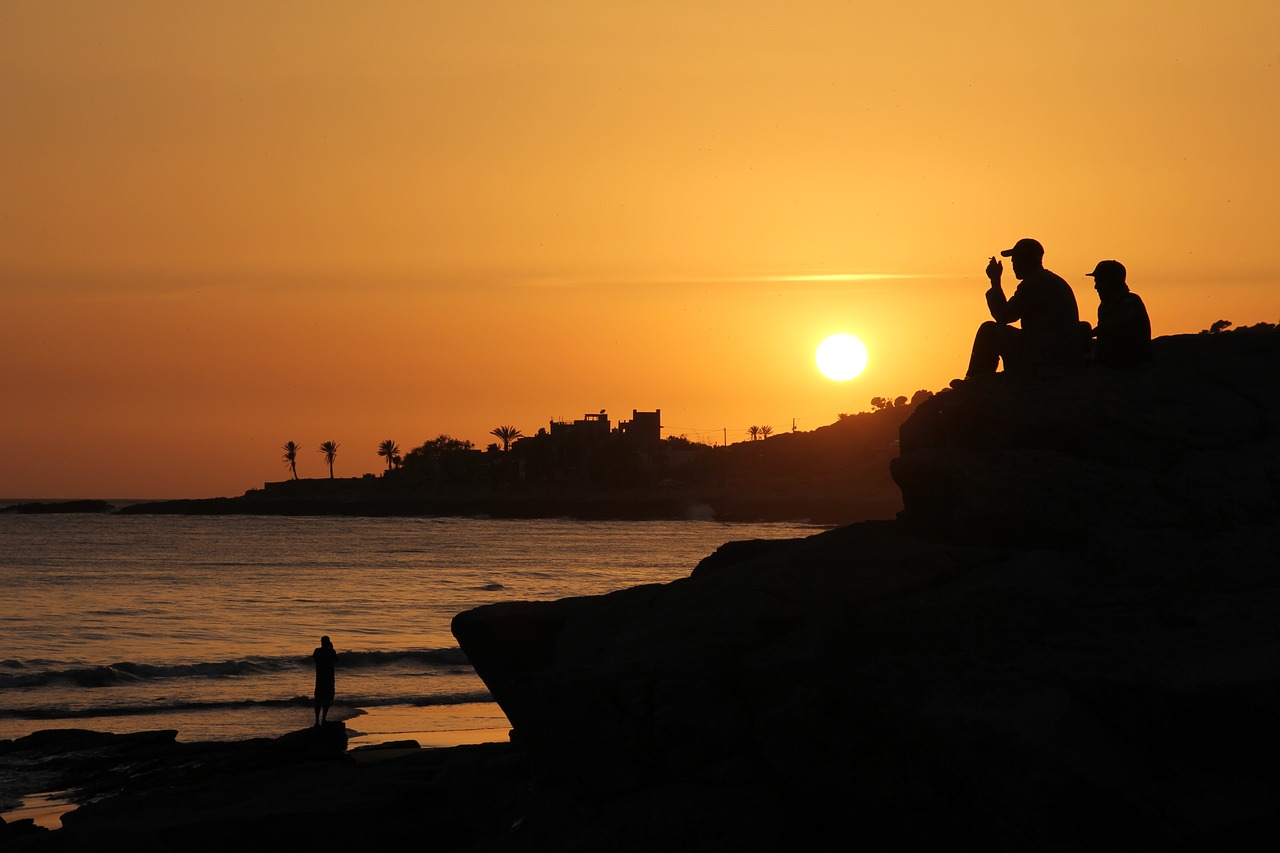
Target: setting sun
pixel 841 357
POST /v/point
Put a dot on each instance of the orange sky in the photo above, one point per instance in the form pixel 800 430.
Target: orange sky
pixel 228 225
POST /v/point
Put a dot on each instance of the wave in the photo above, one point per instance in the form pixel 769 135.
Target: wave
pixel 461 698
pixel 16 674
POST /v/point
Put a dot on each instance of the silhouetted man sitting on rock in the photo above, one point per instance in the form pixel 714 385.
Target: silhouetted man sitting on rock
pixel 1124 329
pixel 1051 333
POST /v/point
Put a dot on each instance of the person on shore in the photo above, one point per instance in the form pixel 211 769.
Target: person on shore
pixel 1123 333
pixel 1051 334
pixel 325 658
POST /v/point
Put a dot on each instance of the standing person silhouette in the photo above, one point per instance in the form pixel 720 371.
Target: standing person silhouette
pixel 1124 329
pixel 1051 333
pixel 325 657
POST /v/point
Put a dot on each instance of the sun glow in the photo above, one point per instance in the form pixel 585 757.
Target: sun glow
pixel 841 357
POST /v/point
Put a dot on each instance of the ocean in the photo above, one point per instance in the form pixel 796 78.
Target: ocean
pixel 205 624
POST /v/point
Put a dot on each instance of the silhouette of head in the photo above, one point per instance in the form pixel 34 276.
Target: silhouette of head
pixel 1027 255
pixel 1109 279
pixel 324 641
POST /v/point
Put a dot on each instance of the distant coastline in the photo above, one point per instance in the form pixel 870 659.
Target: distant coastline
pixel 356 498
pixel 836 474
pixel 24 507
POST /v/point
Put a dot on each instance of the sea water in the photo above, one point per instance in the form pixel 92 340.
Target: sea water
pixel 206 624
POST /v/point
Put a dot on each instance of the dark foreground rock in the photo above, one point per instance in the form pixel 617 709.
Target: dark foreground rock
pixel 1068 642
pixel 302 791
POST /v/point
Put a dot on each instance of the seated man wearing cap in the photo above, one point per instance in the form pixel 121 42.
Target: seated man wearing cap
pixel 1124 329
pixel 1051 334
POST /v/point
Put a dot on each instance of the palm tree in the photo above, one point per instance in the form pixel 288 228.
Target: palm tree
pixel 330 450
pixel 766 431
pixel 506 434
pixel 291 449
pixel 390 450
pixel 754 432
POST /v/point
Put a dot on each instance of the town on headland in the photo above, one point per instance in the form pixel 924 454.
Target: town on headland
pixel 592 468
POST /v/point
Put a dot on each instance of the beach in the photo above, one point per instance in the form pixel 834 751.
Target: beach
pixel 431 726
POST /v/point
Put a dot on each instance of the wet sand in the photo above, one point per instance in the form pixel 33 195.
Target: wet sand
pixel 430 725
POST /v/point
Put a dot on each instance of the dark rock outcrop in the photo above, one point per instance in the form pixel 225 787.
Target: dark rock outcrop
pixel 1067 642
pixel 1192 441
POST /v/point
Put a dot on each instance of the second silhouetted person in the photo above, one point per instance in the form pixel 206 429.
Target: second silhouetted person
pixel 1124 329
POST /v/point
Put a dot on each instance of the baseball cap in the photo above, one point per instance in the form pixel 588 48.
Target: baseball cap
pixel 1108 269
pixel 1025 246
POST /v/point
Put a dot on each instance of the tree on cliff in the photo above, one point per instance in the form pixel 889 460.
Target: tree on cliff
pixel 506 434
pixel 442 459
pixel 391 451
pixel 291 449
pixel 920 396
pixel 754 432
pixel 435 448
pixel 879 404
pixel 766 431
pixel 330 450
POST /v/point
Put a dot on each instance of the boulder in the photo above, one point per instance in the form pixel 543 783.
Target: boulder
pixel 324 740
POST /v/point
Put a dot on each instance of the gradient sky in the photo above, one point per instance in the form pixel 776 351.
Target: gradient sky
pixel 228 225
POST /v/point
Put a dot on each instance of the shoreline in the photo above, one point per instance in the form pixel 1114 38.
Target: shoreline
pixel 234 724
pixel 782 504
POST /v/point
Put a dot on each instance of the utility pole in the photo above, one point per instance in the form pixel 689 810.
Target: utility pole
pixel 726 436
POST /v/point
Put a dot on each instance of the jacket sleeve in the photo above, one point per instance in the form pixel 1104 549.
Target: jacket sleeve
pixel 1003 310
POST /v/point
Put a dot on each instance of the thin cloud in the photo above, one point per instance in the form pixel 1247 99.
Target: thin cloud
pixel 569 282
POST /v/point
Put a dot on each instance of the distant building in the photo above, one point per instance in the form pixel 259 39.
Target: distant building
pixel 590 426
pixel 643 428
pixel 592 451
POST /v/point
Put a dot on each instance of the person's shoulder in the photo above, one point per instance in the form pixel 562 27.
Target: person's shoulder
pixel 1041 279
pixel 1129 301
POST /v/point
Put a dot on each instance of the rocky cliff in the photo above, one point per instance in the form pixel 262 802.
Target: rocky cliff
pixel 1188 442
pixel 1068 640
